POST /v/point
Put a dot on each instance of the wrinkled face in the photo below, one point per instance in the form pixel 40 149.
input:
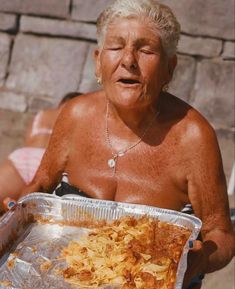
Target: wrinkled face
pixel 132 64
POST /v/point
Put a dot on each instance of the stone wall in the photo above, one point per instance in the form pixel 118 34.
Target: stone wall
pixel 46 50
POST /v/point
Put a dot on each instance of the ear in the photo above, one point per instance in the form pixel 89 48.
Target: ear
pixel 97 62
pixel 172 62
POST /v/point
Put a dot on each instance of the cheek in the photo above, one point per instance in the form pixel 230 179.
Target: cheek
pixel 154 71
pixel 109 61
pixel 151 73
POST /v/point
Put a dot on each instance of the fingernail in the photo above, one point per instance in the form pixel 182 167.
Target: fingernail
pixel 190 244
pixel 11 204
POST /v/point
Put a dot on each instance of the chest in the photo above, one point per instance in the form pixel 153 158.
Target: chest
pixel 148 174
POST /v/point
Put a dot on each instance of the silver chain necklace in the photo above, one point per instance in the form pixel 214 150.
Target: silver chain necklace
pixel 112 162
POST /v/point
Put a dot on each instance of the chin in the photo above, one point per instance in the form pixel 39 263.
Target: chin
pixel 129 99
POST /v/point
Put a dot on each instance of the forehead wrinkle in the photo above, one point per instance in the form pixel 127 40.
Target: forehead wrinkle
pixel 129 34
pixel 115 38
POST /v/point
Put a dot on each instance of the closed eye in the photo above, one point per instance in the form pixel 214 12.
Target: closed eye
pixel 114 48
pixel 146 51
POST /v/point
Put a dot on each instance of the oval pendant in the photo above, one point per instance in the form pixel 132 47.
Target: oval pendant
pixel 111 163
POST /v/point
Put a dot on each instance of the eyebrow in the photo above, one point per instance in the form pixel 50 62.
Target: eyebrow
pixel 150 41
pixel 139 41
pixel 116 38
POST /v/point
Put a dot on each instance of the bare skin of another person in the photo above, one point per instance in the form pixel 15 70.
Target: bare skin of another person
pixel 19 168
pixel 171 155
pixel 11 183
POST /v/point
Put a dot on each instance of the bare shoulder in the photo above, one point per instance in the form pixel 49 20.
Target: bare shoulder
pixel 82 106
pixel 199 133
pixel 76 112
pixel 189 123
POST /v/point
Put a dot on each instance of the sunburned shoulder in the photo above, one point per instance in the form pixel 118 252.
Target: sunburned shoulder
pixel 188 122
pixel 196 129
pixel 83 105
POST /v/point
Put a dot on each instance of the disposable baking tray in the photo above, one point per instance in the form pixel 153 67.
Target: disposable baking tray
pixel 26 246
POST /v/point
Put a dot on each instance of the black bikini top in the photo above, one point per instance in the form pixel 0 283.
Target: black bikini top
pixel 65 189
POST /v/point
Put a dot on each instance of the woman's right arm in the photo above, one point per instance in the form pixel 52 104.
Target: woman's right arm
pixel 55 158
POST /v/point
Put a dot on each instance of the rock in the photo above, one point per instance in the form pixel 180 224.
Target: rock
pixel 46 67
pixel 213 92
pixel 229 51
pixel 88 80
pixel 12 131
pixel 183 79
pixel 13 101
pixel 200 46
pixel 57 27
pixel 43 7
pixel 209 18
pixel 88 10
pixel 5 43
pixel 7 22
pixel 38 103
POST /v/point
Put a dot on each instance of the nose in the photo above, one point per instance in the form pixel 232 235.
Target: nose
pixel 129 60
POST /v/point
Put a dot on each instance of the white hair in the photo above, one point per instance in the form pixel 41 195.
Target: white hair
pixel 163 19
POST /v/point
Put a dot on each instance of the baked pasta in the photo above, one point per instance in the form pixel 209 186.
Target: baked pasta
pixel 129 253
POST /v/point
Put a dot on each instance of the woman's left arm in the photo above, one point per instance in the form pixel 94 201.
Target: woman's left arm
pixel 208 195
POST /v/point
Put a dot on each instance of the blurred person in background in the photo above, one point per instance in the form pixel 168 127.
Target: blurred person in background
pixel 19 168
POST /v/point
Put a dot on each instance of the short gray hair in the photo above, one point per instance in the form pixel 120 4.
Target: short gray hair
pixel 161 15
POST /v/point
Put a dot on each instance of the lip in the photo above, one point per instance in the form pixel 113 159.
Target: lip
pixel 128 85
pixel 128 82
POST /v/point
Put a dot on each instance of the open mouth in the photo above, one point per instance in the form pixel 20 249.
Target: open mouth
pixel 128 81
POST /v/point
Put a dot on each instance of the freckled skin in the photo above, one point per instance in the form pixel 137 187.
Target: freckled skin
pixel 177 162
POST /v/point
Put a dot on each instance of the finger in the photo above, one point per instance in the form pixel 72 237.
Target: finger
pixel 9 204
pixel 5 202
pixel 195 245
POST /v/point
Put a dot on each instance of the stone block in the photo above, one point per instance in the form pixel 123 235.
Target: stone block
pixel 7 22
pixel 57 27
pixel 213 93
pixel 226 142
pixel 88 10
pixel 229 51
pixel 39 7
pixel 88 80
pixel 5 44
pixel 12 130
pixel 47 67
pixel 11 6
pixel 183 79
pixel 13 101
pixel 200 46
pixel 38 103
pixel 209 18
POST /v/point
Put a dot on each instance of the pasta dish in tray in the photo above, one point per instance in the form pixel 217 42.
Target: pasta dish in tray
pixel 128 253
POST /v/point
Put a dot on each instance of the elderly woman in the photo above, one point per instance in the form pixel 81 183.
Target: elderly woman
pixel 134 142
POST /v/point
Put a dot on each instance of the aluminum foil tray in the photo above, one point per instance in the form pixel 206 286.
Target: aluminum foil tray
pixel 26 246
